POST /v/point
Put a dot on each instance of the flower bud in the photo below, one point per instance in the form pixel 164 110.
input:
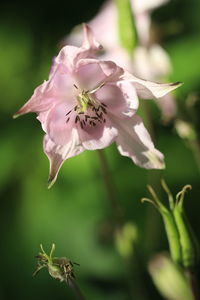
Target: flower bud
pixel 188 241
pixel 125 239
pixel 184 247
pixel 169 278
pixel 169 224
pixel 185 130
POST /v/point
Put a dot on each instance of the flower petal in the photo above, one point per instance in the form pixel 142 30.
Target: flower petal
pixel 135 142
pixel 36 102
pixel 152 62
pixel 70 55
pixel 99 136
pixel 46 95
pixel 92 73
pixel 60 122
pixel 168 107
pixel 120 98
pixel 147 89
pixel 89 41
pixel 57 154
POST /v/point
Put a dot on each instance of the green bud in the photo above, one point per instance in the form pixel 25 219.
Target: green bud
pixel 185 130
pixel 169 279
pixel 169 223
pixel 126 26
pixel 125 239
pixel 188 241
pixel 184 247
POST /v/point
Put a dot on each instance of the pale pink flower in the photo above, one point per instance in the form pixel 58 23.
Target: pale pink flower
pixel 148 61
pixel 87 104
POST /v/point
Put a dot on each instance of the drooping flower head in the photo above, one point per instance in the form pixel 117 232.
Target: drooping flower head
pixel 149 60
pixel 87 104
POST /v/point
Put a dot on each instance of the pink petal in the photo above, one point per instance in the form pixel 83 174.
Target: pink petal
pixel 46 95
pixel 36 103
pixel 147 89
pixel 152 62
pixel 61 83
pixel 58 154
pixel 70 55
pixel 60 122
pixel 89 41
pixel 92 73
pixel 167 105
pixel 120 98
pixel 99 136
pixel 104 25
pixel 135 142
pixel 146 5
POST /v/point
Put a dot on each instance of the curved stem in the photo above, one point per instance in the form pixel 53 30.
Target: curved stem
pixel 77 291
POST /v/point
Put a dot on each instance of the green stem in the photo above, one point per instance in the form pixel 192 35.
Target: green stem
pixel 172 236
pixel 153 178
pixel 192 279
pixel 110 187
pixel 72 283
pixel 195 147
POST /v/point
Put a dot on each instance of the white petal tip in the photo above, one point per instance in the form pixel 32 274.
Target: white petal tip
pixel 176 84
pixel 156 160
pixel 51 182
pixel 89 39
pixel 16 116
pixel 167 88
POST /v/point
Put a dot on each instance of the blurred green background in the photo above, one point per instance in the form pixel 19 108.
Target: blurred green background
pixel 76 214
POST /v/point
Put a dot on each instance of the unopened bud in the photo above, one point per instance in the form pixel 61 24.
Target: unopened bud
pixel 184 247
pixel 188 241
pixel 185 130
pixel 125 239
pixel 169 278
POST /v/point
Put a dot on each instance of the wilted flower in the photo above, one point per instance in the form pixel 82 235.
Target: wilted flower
pixel 87 104
pixel 60 268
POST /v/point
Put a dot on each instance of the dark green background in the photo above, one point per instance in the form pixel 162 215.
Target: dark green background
pixel 75 213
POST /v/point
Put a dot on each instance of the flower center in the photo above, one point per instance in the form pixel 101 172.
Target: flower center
pixel 84 101
pixel 88 111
